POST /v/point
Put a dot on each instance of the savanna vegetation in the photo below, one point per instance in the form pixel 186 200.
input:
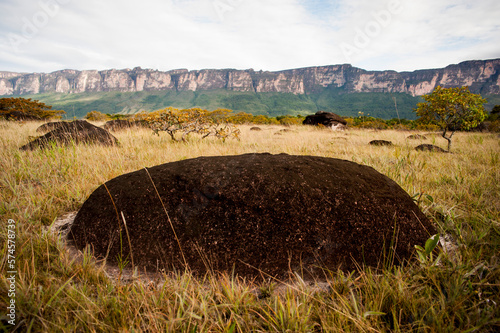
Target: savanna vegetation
pixel 451 285
pixel 27 109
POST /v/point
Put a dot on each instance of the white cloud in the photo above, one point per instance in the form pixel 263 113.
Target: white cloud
pixel 259 34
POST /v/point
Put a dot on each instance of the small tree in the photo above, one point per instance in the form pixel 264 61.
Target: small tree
pixel 26 109
pixel 96 116
pixel 187 121
pixel 452 109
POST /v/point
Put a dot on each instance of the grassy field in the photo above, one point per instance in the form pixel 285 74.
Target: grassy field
pixel 455 288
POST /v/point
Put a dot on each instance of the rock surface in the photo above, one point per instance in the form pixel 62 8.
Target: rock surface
pixel 481 75
pixel 78 131
pixel 328 119
pixel 254 213
pixel 50 126
pixel 381 143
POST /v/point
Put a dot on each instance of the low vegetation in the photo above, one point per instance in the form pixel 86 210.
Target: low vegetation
pixel 454 286
pixel 27 109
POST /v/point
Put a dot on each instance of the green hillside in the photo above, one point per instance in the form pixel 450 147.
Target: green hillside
pixel 380 105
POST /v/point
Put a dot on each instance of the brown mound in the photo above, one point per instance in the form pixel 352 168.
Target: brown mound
pixel 417 137
pixel 249 212
pixel 255 128
pixel 380 143
pixel 120 124
pixel 428 147
pixel 47 127
pixel 78 131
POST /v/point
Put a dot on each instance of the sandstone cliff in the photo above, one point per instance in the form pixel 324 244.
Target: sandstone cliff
pixel 481 75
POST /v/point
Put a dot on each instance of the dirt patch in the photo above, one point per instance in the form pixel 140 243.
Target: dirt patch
pixel 78 131
pixel 259 214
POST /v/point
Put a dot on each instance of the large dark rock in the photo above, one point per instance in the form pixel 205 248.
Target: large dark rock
pixel 50 126
pixel 253 213
pixel 328 119
pixel 381 143
pixel 78 131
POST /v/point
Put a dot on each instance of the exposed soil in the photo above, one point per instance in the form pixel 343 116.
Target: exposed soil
pixel 259 214
pixel 78 131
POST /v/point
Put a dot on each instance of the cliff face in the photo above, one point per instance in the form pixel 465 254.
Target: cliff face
pixel 480 76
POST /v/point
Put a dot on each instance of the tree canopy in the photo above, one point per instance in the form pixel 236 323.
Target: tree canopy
pixel 452 109
pixel 26 109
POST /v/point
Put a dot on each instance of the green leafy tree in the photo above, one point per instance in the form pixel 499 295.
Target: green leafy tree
pixel 451 109
pixel 26 109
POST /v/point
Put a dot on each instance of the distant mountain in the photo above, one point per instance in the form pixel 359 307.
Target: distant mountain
pixel 291 91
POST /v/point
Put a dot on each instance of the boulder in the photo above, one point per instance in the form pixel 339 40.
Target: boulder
pixel 47 127
pixel 380 143
pixel 428 147
pixel 327 119
pixel 255 128
pixel 78 131
pixel 259 214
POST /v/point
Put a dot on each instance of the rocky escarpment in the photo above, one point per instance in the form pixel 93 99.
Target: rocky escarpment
pixel 482 76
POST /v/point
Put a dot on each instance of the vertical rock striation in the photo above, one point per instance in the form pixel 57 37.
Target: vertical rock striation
pixel 482 76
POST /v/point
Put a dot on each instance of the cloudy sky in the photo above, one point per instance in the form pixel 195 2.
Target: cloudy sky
pixel 403 35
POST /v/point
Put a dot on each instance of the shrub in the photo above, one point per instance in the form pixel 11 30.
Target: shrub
pixel 26 109
pixel 96 116
pixel 187 121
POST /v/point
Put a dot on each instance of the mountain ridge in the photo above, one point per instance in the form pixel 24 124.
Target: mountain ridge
pixel 481 75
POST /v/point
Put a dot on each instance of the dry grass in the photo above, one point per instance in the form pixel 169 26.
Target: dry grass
pixel 458 292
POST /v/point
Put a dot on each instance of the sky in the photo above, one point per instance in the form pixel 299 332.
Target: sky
pixel 403 35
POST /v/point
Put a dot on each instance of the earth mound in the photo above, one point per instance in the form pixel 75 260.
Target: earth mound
pixel 259 214
pixel 50 126
pixel 255 128
pixel 380 143
pixel 78 131
pixel 428 147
